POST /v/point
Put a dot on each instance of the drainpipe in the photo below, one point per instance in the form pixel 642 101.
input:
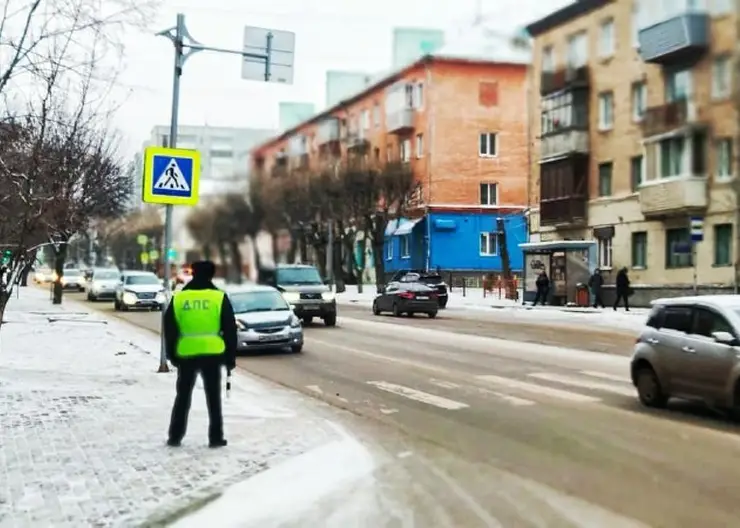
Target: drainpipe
pixel 428 153
pixel 736 168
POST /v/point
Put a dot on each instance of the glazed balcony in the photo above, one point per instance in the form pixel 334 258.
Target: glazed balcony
pixel 569 141
pixel 400 121
pixel 328 131
pixel 683 37
pixel 665 118
pixel 563 212
pixel 564 78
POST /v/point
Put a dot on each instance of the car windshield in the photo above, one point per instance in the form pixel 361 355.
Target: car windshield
pixel 106 275
pixel 142 280
pixel 298 276
pixel 418 287
pixel 262 301
pixel 71 273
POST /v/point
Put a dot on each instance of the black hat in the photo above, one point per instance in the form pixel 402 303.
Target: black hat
pixel 203 270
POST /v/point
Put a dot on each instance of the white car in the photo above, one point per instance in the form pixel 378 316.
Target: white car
pixel 102 284
pixel 139 289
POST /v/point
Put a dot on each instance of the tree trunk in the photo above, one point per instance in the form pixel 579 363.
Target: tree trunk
pixel 303 244
pixel 223 256
pixel 293 250
pixel 338 265
pixel 237 261
pixel 275 254
pixel 206 251
pixel 378 237
pixel 60 255
pixel 360 264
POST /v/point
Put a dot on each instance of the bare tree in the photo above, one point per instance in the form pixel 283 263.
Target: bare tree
pixel 200 223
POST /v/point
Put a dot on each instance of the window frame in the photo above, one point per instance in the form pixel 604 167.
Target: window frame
pixel 389 248
pixel 715 231
pixel 642 236
pixel 606 110
pixel 405 246
pixel 638 95
pixel 607 48
pixel 488 136
pixel 637 161
pixel 489 236
pixel 419 150
pixel 488 186
pixel 728 155
pixel 599 168
pixel 605 248
pixel 725 77
pixel 670 263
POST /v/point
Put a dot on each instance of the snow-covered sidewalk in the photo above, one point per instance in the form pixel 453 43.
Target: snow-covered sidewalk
pixel 83 422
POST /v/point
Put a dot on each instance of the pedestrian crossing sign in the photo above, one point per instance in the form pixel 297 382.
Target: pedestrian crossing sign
pixel 171 176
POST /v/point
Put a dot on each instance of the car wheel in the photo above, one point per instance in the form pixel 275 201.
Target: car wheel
pixel 330 320
pixel 307 320
pixel 90 298
pixel 432 315
pixel 396 310
pixel 116 306
pixel 376 309
pixel 296 349
pixel 648 388
pixel 410 314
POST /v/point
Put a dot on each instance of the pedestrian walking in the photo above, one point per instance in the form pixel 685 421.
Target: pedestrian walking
pixel 543 288
pixel 596 284
pixel 623 289
pixel 200 337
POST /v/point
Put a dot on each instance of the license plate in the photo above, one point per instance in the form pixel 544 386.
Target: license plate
pixel 271 337
pixel 423 298
pixel 311 307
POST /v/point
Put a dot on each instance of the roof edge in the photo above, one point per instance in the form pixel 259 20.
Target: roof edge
pixel 565 14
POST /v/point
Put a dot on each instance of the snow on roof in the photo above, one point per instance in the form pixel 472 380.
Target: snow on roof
pixel 481 42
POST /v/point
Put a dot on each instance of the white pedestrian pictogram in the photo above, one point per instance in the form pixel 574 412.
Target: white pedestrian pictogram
pixel 172 178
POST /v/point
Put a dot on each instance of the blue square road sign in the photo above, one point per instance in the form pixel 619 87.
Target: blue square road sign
pixel 171 176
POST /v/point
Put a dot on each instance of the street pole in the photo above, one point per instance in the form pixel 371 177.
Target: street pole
pixel 330 254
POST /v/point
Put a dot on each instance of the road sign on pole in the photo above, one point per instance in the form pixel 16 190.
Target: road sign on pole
pixel 268 55
pixel 171 176
pixel 697 229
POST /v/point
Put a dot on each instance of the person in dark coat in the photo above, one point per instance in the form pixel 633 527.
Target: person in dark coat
pixel 623 289
pixel 187 350
pixel 543 288
pixel 596 283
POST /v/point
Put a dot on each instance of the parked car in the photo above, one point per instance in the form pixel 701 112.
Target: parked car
pixel 407 298
pixel 430 278
pixel 44 276
pixel 102 284
pixel 264 319
pixel 72 279
pixel 301 286
pixel 139 289
pixel 690 349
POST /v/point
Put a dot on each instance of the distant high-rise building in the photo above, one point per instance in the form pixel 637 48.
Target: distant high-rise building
pixel 343 84
pixel 410 44
pixel 291 114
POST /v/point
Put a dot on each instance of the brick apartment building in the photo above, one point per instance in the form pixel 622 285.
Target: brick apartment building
pixel 458 123
pixel 633 123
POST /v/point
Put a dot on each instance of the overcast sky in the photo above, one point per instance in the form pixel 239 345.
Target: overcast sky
pixel 330 34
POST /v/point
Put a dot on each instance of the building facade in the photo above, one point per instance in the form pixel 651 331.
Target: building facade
pixel 458 124
pixel 633 122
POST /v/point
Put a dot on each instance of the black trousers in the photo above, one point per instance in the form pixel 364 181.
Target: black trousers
pixel 541 297
pixel 622 296
pixel 187 372
pixel 598 301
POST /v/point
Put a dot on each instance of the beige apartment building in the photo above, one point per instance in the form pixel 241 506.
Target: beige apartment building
pixel 633 124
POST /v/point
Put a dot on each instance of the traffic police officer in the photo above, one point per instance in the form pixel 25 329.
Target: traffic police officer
pixel 200 336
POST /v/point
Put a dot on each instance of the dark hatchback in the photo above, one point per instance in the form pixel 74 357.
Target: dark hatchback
pixel 430 278
pixel 407 298
pixel 302 286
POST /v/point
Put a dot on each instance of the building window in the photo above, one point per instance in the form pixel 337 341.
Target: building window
pixel 376 115
pixel 419 145
pixel 389 152
pixel 419 96
pixel 721 77
pixel 639 249
pixel 723 245
pixel 578 50
pixel 637 13
pixel 724 158
pixel 405 246
pixel 677 248
pixel 604 246
pixel 365 119
pixel 488 145
pixel 489 244
pixel 405 150
pixel 488 193
pixel 678 86
pixel 606 110
pixel 605 179
pixel 671 157
pixel 606 38
pixel 548 59
pixel 389 249
pixel 636 174
pixel 639 101
pixel 561 112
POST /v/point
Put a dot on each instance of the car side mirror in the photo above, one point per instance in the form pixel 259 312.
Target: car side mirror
pixel 327 282
pixel 726 338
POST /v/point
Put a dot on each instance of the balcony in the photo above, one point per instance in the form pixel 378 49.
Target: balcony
pixel 684 37
pixel 673 196
pixel 565 78
pixel 668 117
pixel 563 212
pixel 400 121
pixel 356 141
pixel 328 131
pixel 297 146
pixel 569 141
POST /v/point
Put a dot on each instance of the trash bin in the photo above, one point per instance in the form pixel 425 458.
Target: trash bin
pixel 582 295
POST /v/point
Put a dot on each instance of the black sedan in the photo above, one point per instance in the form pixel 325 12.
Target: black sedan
pixel 430 278
pixel 407 298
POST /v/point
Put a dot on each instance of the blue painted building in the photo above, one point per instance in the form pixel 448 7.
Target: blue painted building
pixel 461 240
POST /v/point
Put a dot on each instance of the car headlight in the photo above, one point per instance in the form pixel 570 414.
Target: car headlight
pixel 129 298
pixel 291 296
pixel 54 276
pixel 240 325
pixel 161 298
pixel 295 322
pixel 328 296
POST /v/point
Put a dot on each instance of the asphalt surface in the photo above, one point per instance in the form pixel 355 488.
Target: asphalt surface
pixel 487 423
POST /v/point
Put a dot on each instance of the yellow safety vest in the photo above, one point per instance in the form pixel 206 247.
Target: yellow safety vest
pixel 198 317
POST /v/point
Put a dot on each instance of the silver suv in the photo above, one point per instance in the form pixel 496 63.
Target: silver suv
pixel 690 349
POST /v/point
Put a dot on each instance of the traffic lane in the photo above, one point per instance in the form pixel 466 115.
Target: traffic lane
pixel 578 431
pixel 594 338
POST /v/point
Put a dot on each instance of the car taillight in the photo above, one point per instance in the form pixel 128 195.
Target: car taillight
pixel 432 295
pixel 406 295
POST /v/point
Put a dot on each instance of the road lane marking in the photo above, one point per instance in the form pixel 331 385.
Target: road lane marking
pixel 444 384
pixel 315 388
pixel 385 410
pixel 518 402
pixel 538 389
pixel 604 375
pixel 417 395
pixel 584 383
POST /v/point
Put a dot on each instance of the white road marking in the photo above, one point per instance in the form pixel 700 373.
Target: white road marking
pixel 604 375
pixel 315 388
pixel 584 383
pixel 404 454
pixel 417 395
pixel 444 384
pixel 518 402
pixel 538 389
pixel 388 411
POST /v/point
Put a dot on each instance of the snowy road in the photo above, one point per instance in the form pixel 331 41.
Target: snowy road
pixel 484 431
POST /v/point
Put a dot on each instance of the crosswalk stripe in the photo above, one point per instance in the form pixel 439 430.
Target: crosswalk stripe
pixel 417 395
pixel 604 375
pixel 538 389
pixel 584 383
